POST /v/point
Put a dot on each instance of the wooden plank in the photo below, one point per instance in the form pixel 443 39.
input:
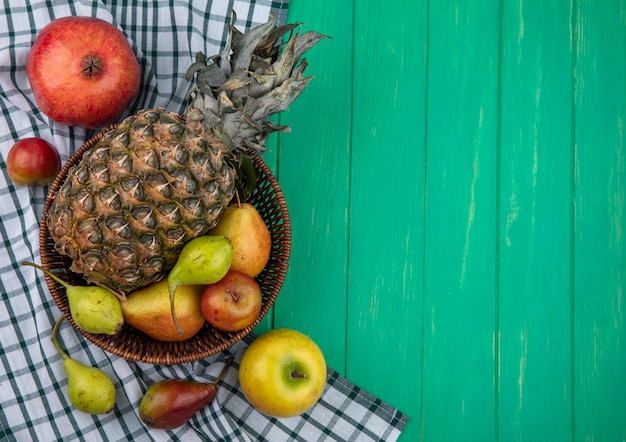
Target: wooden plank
pixel 535 391
pixel 480 312
pixel 387 204
pixel 314 172
pixel 460 249
pixel 600 221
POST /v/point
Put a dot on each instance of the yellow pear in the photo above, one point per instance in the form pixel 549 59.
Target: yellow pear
pixel 148 309
pixel 249 235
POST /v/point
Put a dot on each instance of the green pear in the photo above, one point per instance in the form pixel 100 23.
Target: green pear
pixel 95 309
pixel 252 242
pixel 89 389
pixel 148 310
pixel 203 260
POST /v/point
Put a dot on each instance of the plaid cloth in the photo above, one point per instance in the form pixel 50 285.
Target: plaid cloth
pixel 33 399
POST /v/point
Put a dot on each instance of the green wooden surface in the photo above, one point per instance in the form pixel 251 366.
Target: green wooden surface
pixel 535 228
pixel 456 179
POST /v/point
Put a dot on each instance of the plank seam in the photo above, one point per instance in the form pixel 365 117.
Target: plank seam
pixel 423 268
pixel 498 186
pixel 574 42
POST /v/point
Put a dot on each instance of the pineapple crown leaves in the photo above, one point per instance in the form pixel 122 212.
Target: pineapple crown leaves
pixel 253 77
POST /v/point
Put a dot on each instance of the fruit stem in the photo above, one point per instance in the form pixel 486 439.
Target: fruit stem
pixel 236 298
pixel 296 374
pixel 55 330
pixel 47 272
pixel 224 370
pixel 120 296
pixel 172 286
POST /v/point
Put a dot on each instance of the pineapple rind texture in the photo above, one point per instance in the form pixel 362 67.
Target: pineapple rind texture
pixel 136 197
pixel 160 179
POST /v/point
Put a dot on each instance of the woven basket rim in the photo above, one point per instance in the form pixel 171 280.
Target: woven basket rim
pixel 149 350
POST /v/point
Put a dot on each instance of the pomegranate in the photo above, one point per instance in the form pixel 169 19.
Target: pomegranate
pixel 83 72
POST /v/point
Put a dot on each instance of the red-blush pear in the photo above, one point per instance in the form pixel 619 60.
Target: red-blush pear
pixel 170 403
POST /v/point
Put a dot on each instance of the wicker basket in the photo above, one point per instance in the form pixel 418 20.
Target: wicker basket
pixel 134 345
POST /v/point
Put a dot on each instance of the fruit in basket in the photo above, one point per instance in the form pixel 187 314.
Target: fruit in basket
pixel 160 179
pixel 204 260
pixel 82 71
pixel 148 310
pixel 282 373
pixel 170 403
pixel 33 162
pixel 233 303
pixel 95 309
pixel 252 242
pixel 89 389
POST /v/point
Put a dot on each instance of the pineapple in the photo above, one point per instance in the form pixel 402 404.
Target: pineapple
pixel 160 179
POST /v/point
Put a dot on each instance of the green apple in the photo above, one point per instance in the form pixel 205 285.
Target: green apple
pixel 282 373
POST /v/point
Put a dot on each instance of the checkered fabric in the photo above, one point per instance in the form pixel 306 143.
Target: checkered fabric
pixel 34 406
